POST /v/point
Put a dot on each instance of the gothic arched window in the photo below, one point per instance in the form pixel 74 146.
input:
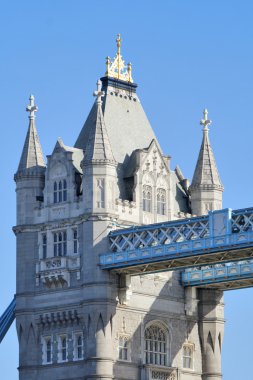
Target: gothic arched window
pixel 100 193
pixel 60 243
pixel 161 201
pixel 156 345
pixel 188 356
pixel 60 191
pixel 147 198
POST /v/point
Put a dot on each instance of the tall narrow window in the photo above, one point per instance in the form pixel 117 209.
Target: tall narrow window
pixel 155 345
pixel 60 243
pixel 188 356
pixel 147 198
pixel 75 241
pixel 78 346
pixel 161 201
pixel 55 192
pixel 47 353
pixel 100 193
pixel 49 350
pixel 44 246
pixel 123 348
pixel 62 348
pixel 64 190
pixel 60 191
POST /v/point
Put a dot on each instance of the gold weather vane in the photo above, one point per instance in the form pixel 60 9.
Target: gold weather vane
pixel 117 68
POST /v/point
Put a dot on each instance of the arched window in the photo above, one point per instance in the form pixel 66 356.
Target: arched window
pixel 75 241
pixel 147 198
pixel 60 243
pixel 188 356
pixel 44 246
pixel 60 191
pixel 100 193
pixel 78 346
pixel 161 201
pixel 123 348
pixel 156 345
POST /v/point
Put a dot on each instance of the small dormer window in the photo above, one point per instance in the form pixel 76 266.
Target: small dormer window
pixel 60 191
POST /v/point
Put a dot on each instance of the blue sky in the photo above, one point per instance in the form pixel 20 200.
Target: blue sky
pixel 186 55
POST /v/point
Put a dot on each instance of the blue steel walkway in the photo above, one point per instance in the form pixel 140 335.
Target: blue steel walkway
pixel 219 237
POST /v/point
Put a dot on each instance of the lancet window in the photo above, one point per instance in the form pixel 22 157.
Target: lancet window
pixel 60 191
pixel 60 243
pixel 161 201
pixel 156 345
pixel 100 193
pixel 47 350
pixel 62 348
pixel 123 347
pixel 188 356
pixel 75 241
pixel 147 198
pixel 78 346
pixel 44 246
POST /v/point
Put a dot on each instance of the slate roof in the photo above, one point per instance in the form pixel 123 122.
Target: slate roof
pixel 126 122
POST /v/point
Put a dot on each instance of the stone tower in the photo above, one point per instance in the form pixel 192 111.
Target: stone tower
pixel 75 321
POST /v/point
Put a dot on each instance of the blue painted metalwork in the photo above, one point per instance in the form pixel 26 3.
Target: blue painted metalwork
pixel 7 318
pixel 220 236
pixel 223 273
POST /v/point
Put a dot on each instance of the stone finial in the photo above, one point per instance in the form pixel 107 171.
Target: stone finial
pixel 31 108
pixel 205 121
pixel 99 93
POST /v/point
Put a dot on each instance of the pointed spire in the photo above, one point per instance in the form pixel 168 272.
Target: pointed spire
pixel 32 153
pixel 206 173
pixel 98 148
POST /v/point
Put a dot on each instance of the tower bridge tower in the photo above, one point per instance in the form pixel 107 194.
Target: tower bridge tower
pixel 75 321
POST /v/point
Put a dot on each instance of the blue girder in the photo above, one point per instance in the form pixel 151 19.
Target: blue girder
pixel 7 318
pixel 221 236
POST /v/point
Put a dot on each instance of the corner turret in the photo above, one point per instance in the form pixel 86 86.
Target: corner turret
pixel 99 165
pixel 206 188
pixel 30 176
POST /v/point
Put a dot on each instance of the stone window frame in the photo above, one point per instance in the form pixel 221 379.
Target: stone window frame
pixel 161 201
pixel 62 350
pixel 167 351
pixel 60 239
pixel 45 349
pixel 44 244
pixel 100 192
pixel 147 198
pixel 127 338
pixel 191 347
pixel 60 191
pixel 75 240
pixel 76 346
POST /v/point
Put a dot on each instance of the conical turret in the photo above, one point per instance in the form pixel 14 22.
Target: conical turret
pixel 206 188
pixel 30 176
pixel 98 148
pixel 32 156
pixel 99 165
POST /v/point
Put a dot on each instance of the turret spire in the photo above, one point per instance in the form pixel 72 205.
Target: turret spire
pixel 32 155
pixel 206 172
pixel 98 148
pixel 206 188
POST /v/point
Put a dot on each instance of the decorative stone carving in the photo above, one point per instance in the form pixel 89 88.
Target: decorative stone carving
pixel 55 272
pixel 161 373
